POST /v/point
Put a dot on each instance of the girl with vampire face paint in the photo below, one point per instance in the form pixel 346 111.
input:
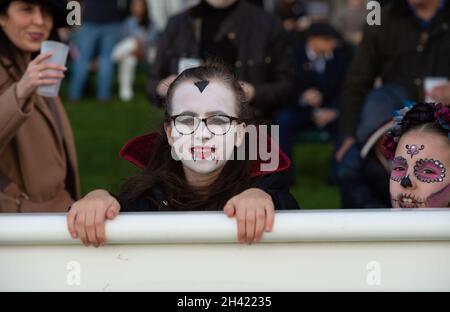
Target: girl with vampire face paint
pixel 419 176
pixel 190 164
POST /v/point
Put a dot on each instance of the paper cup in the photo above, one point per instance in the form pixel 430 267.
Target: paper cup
pixel 60 53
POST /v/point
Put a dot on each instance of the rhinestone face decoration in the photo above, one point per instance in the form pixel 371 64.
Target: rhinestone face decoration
pixel 429 171
pixel 413 149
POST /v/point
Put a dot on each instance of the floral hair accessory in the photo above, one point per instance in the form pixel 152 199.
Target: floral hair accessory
pixel 389 146
pixel 393 136
pixel 411 116
pixel 442 114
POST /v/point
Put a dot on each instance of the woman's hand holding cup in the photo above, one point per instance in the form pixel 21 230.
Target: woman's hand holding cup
pixel 39 74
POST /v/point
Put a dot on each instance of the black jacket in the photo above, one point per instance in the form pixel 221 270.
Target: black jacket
pixel 330 83
pixel 265 57
pixel 401 52
pixel 274 184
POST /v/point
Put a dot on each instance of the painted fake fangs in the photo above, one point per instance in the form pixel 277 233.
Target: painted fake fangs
pixel 203 153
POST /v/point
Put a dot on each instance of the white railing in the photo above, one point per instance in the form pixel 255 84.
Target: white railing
pixel 307 250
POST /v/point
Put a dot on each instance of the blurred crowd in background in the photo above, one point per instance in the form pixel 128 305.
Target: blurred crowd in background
pixel 315 68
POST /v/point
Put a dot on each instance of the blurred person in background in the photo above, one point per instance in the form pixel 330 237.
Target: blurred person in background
pixel 319 10
pixel 364 182
pixel 315 11
pixel 259 3
pixel 240 34
pixel 290 11
pixel 408 49
pixel 139 35
pixel 350 19
pixel 321 64
pixel 162 10
pixel 102 21
pixel 38 163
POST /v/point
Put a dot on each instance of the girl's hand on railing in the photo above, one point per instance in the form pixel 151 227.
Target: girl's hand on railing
pixel 255 213
pixel 86 218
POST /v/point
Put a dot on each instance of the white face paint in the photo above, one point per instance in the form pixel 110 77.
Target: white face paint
pixel 202 151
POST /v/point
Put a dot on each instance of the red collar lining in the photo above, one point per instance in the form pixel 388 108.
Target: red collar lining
pixel 138 149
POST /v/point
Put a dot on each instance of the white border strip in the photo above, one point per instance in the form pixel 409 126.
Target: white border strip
pixel 211 227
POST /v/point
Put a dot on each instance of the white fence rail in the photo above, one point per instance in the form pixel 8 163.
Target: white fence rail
pixel 339 250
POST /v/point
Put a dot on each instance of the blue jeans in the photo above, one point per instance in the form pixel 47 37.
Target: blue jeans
pixel 90 39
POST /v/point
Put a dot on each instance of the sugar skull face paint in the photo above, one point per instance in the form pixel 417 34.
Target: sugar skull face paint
pixel 421 183
pixel 204 128
pixel 406 182
pixel 399 168
pixel 407 200
pixel 413 149
pixel 429 171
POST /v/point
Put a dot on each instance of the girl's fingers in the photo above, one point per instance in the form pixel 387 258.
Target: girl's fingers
pixel 260 224
pixel 250 220
pixel 100 218
pixel 270 216
pixel 90 227
pixel 113 210
pixel 80 226
pixel 70 222
pixel 240 220
pixel 229 209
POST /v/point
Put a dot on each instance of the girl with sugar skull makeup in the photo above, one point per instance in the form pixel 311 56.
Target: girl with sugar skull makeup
pixel 192 163
pixel 419 146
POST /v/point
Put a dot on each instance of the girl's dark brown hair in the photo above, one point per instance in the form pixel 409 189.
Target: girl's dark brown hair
pixel 166 174
pixel 425 117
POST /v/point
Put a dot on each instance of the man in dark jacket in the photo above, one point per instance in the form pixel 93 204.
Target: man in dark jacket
pixel 411 44
pixel 244 36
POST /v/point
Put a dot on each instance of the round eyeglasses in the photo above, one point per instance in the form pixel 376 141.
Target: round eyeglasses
pixel 216 124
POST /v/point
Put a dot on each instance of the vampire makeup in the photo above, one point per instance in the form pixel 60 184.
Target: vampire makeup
pixel 204 128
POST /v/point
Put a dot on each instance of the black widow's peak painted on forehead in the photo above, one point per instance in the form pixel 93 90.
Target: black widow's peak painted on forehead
pixel 201 85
